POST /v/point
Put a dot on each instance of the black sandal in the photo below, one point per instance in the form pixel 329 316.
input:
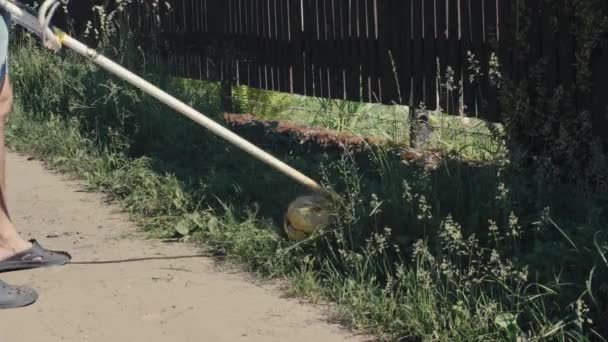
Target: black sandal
pixel 12 297
pixel 35 257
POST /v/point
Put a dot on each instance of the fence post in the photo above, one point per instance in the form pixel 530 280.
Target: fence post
pixel 420 129
pixel 226 87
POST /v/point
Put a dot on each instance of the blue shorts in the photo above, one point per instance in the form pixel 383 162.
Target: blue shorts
pixel 5 24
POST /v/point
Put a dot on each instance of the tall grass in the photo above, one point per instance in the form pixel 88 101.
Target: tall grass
pixel 465 251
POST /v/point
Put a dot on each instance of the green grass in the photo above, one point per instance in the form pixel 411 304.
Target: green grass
pixel 468 136
pixel 466 252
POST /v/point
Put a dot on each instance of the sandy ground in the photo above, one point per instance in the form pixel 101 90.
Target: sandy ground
pixel 173 294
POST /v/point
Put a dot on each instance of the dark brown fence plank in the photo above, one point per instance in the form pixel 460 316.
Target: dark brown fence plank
pixel 316 50
pixel 309 38
pixel 386 53
pixel 430 56
pixel 322 47
pixel 535 43
pixel 599 100
pixel 328 57
pixel 566 45
pixel 395 46
pixel 507 37
pixel 418 53
pixel 266 72
pixel 405 61
pixel 363 31
pixel 477 32
pixel 254 78
pixel 342 55
pixel 468 59
pixel 490 101
pixel 441 45
pixel 549 46
pixel 454 57
pixel 372 50
pixel 274 39
pixel 261 41
pixel 299 85
pixel 353 74
pixel 284 47
pixel 334 26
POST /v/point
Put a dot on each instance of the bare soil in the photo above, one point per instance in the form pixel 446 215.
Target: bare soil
pixel 121 287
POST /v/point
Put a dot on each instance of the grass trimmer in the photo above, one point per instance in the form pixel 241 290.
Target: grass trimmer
pixel 304 215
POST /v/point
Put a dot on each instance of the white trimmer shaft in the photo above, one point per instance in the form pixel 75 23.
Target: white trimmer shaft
pixel 54 39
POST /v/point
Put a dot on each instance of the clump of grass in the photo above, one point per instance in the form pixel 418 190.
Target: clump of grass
pixel 463 252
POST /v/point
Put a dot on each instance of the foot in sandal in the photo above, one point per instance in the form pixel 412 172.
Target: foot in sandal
pixel 12 297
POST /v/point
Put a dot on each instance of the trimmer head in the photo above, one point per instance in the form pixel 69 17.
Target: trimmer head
pixel 305 215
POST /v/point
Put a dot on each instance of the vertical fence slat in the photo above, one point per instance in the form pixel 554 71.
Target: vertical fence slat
pixel 535 43
pixel 405 61
pixel 549 46
pixel 599 100
pixel 334 28
pixel 507 37
pixel 314 47
pixel 353 71
pixel 284 47
pixel 567 74
pixel 254 79
pixel 266 74
pixel 454 56
pixel 242 42
pixel 372 50
pixel 274 39
pixel 466 51
pixel 248 37
pixel 441 16
pixel 342 47
pixel 309 38
pixel 430 55
pixel 321 46
pixel 418 53
pixel 395 46
pixel 299 85
pixel 490 108
pixel 363 49
pixel 477 33
pixel 281 34
pixel 386 19
pixel 258 56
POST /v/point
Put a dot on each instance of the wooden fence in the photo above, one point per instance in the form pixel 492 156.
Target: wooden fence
pixel 413 52
pixel 390 51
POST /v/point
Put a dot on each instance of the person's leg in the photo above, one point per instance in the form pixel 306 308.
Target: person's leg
pixel 6 104
pixel 10 241
pixel 15 252
pixel 11 296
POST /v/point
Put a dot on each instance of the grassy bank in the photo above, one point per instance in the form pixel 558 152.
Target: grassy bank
pixel 469 137
pixel 466 251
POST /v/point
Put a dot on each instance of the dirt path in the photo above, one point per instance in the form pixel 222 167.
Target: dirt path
pixel 177 299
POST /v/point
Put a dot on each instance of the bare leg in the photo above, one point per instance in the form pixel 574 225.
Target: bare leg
pixel 10 241
pixel 6 104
